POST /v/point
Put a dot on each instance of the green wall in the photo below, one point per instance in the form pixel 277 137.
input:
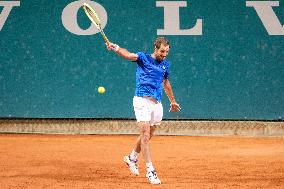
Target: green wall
pixel 232 69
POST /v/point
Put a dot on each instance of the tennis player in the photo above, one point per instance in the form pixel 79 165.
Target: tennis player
pixel 152 75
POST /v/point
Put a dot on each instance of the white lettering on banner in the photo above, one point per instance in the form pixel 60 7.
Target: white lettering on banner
pixel 70 22
pixel 267 16
pixel 8 5
pixel 172 19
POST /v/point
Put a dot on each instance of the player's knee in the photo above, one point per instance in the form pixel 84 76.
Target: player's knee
pixel 151 135
pixel 152 130
pixel 145 138
pixel 145 132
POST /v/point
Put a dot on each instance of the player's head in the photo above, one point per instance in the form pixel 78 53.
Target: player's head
pixel 161 48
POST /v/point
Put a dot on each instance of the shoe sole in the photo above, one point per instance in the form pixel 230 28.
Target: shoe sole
pixel 156 183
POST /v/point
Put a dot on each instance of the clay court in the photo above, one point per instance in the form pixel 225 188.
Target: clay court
pixel 95 161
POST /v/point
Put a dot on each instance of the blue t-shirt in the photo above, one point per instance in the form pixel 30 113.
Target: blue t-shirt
pixel 150 75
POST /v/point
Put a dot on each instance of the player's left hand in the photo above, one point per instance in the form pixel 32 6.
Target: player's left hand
pixel 175 107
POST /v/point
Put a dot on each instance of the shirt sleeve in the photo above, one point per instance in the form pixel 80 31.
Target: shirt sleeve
pixel 167 72
pixel 140 59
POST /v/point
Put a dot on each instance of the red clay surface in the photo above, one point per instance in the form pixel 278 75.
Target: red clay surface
pixel 95 161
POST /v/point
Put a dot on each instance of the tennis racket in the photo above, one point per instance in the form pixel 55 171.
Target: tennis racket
pixel 93 16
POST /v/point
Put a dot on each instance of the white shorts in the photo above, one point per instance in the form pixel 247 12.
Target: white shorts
pixel 147 110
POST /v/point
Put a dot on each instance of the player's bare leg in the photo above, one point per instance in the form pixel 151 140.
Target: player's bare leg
pixel 144 140
pixel 132 159
pixel 145 135
pixel 142 144
pixel 137 146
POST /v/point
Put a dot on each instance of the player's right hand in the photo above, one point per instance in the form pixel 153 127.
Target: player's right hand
pixel 111 46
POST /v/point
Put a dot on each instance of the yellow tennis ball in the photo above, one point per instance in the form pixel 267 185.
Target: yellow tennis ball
pixel 101 90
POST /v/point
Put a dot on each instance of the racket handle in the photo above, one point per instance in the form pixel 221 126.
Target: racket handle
pixel 105 39
pixel 104 36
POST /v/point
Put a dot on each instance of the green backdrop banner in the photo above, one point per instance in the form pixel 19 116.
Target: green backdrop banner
pixel 226 58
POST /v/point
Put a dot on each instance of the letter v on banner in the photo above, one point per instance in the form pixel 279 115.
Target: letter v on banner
pixel 172 19
pixel 8 5
pixel 267 16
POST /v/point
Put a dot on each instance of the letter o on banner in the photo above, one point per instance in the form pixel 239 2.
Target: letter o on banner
pixel 70 21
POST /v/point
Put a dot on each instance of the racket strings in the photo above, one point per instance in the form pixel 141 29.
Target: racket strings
pixel 93 15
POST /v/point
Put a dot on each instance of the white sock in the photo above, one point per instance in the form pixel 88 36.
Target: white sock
pixel 134 155
pixel 150 166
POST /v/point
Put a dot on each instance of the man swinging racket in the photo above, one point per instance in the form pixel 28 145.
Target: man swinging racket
pixel 152 75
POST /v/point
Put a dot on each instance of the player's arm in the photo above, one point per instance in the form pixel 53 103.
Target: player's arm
pixel 122 52
pixel 169 91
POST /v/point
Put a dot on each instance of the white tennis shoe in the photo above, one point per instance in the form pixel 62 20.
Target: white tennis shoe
pixel 132 165
pixel 153 177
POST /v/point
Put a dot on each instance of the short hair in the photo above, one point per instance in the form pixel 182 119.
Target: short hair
pixel 161 40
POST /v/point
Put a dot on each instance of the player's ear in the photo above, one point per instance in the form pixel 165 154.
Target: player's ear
pixel 155 48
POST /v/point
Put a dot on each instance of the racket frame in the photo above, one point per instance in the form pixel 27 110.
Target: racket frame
pixel 93 16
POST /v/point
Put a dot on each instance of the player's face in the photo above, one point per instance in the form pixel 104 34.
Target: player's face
pixel 162 52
